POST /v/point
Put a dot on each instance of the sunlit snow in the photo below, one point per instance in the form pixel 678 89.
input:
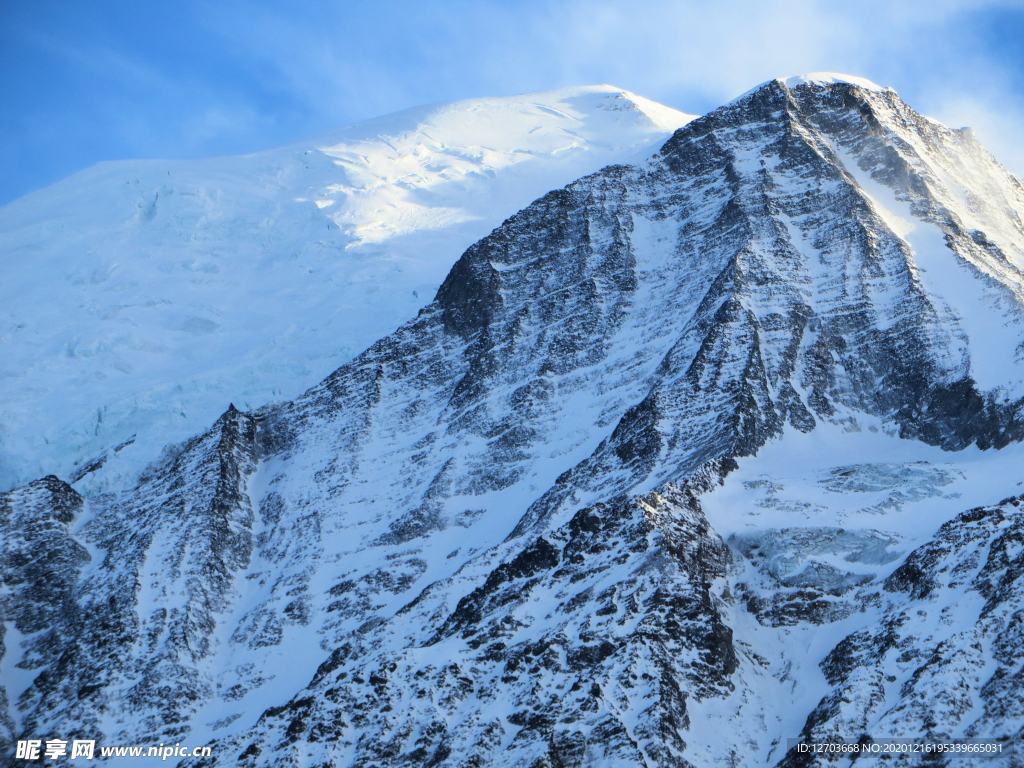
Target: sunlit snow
pixel 139 298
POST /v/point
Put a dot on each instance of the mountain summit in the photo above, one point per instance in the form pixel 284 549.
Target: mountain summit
pixel 685 459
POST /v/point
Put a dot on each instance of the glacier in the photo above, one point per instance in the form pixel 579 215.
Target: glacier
pixel 139 298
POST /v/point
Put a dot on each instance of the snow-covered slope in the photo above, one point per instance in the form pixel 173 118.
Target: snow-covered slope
pixel 685 459
pixel 139 298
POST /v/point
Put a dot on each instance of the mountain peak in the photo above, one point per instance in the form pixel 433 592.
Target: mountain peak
pixel 814 79
pixel 830 78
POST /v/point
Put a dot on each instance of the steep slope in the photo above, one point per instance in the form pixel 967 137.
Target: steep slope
pixel 139 298
pixel 660 445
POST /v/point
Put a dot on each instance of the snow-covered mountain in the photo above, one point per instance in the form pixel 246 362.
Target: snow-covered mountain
pixel 139 298
pixel 685 459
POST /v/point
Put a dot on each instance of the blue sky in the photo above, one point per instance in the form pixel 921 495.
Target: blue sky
pixel 82 82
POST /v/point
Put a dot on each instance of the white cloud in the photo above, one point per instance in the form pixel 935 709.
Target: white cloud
pixel 350 61
pixel 278 71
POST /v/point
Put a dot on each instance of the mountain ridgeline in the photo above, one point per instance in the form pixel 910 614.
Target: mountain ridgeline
pixel 484 542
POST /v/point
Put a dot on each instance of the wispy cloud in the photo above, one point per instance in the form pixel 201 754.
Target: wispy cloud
pixel 352 60
pixel 236 76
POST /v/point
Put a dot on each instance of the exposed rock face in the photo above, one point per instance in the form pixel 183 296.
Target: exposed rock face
pixel 482 542
pixel 582 648
pixel 942 658
pixel 40 563
pixel 131 633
